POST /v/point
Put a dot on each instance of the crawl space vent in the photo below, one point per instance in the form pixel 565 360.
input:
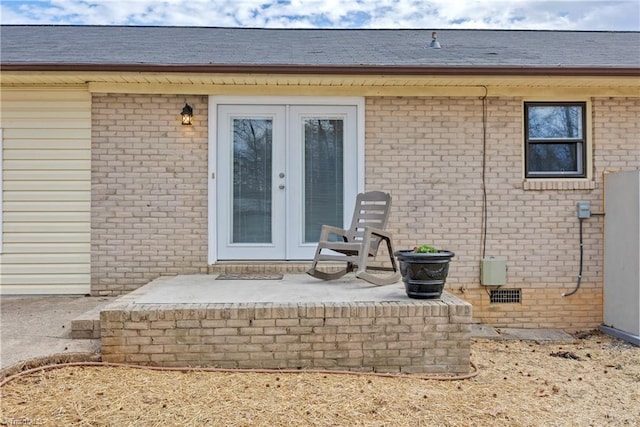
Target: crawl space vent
pixel 504 296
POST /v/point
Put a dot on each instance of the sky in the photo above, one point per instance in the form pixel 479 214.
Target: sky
pixel 606 15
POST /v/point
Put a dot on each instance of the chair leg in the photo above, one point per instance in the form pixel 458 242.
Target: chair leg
pixel 323 275
pixel 315 260
pixel 394 265
pixel 378 279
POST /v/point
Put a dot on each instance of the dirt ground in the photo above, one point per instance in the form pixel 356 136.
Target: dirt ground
pixel 592 382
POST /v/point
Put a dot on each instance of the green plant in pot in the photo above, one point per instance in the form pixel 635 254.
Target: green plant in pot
pixel 424 270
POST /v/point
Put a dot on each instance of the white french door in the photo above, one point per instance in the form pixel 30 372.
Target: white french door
pixel 282 171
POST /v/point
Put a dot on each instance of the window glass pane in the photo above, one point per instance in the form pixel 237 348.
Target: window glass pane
pixel 555 158
pixel 323 175
pixel 555 121
pixel 252 180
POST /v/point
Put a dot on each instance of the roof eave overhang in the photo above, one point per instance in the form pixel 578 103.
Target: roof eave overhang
pixel 396 70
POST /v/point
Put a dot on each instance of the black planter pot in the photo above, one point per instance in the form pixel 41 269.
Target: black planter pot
pixel 424 274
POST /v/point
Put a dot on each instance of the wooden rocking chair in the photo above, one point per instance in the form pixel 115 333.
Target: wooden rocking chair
pixel 360 242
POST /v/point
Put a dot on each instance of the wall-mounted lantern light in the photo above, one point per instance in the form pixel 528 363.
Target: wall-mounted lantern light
pixel 187 114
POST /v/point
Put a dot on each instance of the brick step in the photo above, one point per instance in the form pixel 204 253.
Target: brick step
pixel 87 325
pixel 234 267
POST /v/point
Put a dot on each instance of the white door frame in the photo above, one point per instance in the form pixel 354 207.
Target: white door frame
pixel 214 101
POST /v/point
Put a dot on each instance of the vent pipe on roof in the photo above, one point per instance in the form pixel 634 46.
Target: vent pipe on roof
pixel 435 44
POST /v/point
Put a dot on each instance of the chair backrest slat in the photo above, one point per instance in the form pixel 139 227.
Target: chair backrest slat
pixel 372 209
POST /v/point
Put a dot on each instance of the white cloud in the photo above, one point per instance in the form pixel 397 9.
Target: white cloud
pixel 514 14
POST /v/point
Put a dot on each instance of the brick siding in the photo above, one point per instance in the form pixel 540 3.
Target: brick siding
pixel 428 153
pixel 149 202
pixel 148 190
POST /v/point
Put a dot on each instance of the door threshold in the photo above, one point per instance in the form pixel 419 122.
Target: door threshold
pixel 257 266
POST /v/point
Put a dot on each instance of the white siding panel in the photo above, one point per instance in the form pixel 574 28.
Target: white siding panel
pixel 48 186
pixel 45 144
pixel 10 268
pixel 46 191
pixel 41 239
pixel 44 175
pixel 49 281
pixel 44 228
pixel 62 288
pixel 54 134
pixel 44 206
pixel 25 99
pixel 48 258
pixel 46 115
pixel 57 124
pixel 46 196
pixel 48 165
pixel 77 249
pixel 43 154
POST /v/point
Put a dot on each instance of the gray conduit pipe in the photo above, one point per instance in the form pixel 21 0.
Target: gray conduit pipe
pixel 581 259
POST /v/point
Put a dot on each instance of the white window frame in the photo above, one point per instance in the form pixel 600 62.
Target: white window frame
pixel 214 101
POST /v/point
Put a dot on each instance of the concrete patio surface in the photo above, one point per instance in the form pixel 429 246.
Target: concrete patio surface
pixel 292 288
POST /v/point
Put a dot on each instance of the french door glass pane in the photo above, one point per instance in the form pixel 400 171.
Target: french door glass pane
pixel 323 175
pixel 252 139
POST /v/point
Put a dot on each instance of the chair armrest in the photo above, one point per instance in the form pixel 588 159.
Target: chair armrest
pixel 378 232
pixel 329 229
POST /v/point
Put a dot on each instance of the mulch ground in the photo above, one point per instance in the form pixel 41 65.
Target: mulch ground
pixel 592 382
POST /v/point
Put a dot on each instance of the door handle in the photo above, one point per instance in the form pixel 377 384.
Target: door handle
pixel 281 175
pixel 281 186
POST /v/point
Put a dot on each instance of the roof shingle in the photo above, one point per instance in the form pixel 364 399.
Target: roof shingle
pixel 199 46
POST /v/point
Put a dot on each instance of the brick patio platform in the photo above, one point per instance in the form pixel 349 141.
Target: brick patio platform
pixel 294 323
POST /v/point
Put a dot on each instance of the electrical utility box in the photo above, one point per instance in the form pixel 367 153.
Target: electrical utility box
pixel 583 210
pixel 493 271
pixel 622 256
